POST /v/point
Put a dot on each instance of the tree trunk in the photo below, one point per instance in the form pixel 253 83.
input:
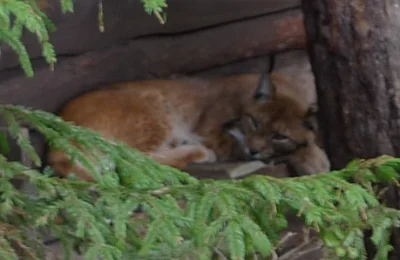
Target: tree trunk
pixel 354 48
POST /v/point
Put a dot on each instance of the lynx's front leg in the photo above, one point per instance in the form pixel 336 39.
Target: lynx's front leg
pixel 184 155
pixel 309 160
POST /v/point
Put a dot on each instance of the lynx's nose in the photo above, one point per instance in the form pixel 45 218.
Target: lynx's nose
pixel 253 152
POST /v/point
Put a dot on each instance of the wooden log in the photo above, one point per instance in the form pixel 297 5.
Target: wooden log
pixel 248 65
pixel 235 170
pixel 354 49
pixel 125 20
pixel 153 57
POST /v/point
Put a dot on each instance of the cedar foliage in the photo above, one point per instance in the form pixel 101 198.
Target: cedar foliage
pixel 242 217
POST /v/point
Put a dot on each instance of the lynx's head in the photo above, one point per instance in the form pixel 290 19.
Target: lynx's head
pixel 273 124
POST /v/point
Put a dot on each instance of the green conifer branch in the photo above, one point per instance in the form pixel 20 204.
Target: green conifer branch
pixel 19 15
pixel 241 217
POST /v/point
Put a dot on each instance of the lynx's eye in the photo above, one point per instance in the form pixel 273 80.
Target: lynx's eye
pixel 282 144
pixel 279 137
pixel 309 124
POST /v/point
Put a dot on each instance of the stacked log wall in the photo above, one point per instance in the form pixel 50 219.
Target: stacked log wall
pixel 202 38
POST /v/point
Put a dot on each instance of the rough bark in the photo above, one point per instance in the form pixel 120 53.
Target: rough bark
pixel 354 48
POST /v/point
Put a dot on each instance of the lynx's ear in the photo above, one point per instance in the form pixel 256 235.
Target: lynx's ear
pixel 265 90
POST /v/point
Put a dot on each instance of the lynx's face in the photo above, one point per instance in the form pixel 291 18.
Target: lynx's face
pixel 272 125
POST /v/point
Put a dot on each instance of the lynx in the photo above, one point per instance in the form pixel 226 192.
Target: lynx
pixel 178 122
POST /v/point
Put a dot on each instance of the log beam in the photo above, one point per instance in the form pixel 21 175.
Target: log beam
pixel 153 57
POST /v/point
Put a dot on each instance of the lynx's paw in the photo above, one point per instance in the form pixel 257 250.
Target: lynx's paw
pixel 310 160
pixel 184 155
pixel 207 155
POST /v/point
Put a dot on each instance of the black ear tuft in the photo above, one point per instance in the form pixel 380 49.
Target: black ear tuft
pixel 266 89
